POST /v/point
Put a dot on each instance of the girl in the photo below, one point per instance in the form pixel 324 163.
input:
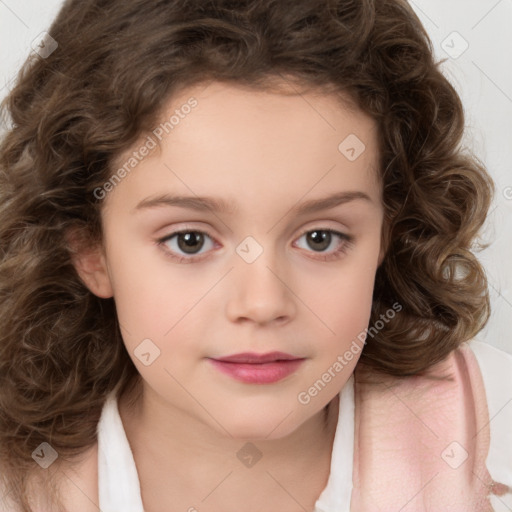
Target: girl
pixel 255 371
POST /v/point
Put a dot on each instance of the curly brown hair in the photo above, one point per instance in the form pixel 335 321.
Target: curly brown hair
pixel 116 65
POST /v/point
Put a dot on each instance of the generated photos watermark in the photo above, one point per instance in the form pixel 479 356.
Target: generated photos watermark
pixel 304 397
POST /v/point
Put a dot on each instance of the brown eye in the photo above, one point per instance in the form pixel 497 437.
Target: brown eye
pixel 190 241
pixel 185 244
pixel 319 239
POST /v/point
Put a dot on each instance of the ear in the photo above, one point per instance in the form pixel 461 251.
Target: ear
pixel 90 264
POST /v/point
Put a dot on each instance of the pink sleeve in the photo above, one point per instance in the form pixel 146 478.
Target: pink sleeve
pixel 421 442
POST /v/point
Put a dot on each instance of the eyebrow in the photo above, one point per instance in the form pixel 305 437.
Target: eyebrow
pixel 229 207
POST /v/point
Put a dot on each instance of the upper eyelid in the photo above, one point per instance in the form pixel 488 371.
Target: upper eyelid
pixel 206 232
pixel 318 224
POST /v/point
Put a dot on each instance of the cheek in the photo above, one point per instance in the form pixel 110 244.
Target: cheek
pixel 141 280
pixel 161 303
pixel 345 305
pixel 350 319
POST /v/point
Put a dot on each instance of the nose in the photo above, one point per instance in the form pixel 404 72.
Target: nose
pixel 261 292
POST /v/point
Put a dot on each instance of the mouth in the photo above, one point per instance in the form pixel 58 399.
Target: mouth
pixel 254 368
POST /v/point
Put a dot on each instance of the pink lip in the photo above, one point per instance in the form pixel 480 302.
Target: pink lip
pixel 258 368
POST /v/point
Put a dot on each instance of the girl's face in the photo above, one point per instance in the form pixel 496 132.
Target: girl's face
pixel 261 275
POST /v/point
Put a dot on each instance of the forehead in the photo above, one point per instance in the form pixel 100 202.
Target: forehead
pixel 237 142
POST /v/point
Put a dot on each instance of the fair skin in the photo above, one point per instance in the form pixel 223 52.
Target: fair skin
pixel 268 153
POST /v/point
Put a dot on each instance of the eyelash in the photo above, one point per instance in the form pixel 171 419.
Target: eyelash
pixel 347 239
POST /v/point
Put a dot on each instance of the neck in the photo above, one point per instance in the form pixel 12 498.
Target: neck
pixel 169 445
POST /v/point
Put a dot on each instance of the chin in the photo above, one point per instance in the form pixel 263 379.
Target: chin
pixel 261 427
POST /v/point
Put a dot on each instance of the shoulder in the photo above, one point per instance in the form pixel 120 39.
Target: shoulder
pixel 495 367
pixel 496 372
pixel 457 415
pixel 491 358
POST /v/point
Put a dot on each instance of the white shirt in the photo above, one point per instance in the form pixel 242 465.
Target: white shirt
pixel 119 487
